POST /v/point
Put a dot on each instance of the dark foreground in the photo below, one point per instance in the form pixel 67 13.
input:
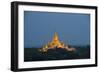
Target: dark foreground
pixel 32 54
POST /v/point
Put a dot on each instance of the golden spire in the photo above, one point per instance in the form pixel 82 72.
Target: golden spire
pixel 55 37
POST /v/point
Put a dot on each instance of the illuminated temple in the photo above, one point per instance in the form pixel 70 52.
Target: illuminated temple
pixel 54 44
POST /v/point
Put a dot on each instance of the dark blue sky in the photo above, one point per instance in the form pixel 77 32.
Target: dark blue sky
pixel 39 28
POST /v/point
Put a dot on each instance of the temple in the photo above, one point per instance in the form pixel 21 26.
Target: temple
pixel 55 43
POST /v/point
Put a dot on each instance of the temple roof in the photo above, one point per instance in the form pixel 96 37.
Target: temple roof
pixel 55 37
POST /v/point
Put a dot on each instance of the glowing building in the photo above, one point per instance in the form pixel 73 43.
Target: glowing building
pixel 55 43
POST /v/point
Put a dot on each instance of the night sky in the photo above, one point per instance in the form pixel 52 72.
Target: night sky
pixel 39 28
